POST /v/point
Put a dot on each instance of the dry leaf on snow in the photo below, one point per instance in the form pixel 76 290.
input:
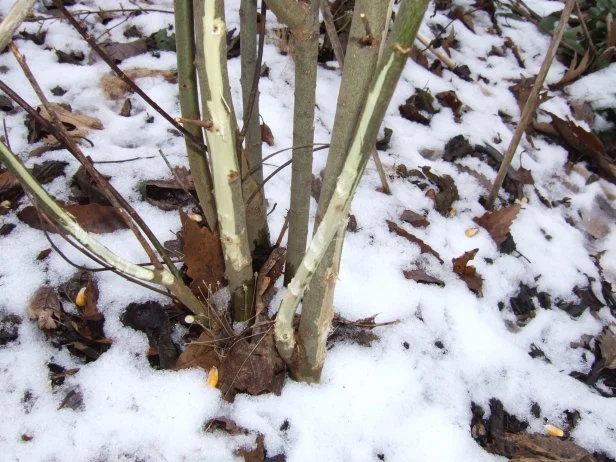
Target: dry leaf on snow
pixel 468 273
pixel 498 223
pixel 116 88
pixel 202 256
pixel 93 218
pixel 77 124
pixel 423 247
pixel 422 277
pixel 42 307
pixel 266 135
pixel 607 344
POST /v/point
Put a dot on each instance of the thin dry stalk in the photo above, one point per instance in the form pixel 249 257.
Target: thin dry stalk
pixel 330 27
pixel 530 107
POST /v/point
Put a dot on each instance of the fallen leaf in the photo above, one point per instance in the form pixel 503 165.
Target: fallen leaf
pixel 161 40
pixel 126 108
pixel 252 366
pixel 121 51
pixel 423 247
pixel 78 125
pixel 414 219
pixel 9 328
pixel 419 57
pixel 44 307
pixel 85 190
pixel 575 70
pixel 72 57
pixel 410 112
pixel 93 218
pixel 170 194
pixel 607 344
pixel 116 88
pixel 499 222
pixel 256 454
pixel 448 193
pixel 521 90
pixel 422 277
pixel 587 144
pixel 457 147
pixel 450 99
pixel 535 447
pixel 382 144
pixel 266 135
pixel 203 257
pixel 468 273
pixel 200 353
pixel 582 110
pixel 465 17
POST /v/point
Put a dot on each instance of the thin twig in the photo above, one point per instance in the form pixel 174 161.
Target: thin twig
pixel 330 27
pixel 181 182
pixel 578 11
pixel 269 156
pixel 133 86
pixel 269 177
pixel 6 134
pixel 115 10
pixel 256 76
pixel 132 159
pixel 425 42
pixel 283 230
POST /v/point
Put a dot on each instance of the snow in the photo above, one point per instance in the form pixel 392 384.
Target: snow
pixel 402 399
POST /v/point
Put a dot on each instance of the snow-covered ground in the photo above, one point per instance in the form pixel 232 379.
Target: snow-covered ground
pixel 408 396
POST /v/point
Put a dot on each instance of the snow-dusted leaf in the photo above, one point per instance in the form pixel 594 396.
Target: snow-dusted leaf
pixel 422 277
pixel 414 219
pixel 575 70
pixel 121 51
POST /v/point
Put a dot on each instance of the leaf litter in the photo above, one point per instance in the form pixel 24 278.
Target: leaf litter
pixel 434 393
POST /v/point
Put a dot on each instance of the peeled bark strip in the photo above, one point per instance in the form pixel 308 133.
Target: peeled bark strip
pixel 383 84
pixel 189 104
pixel 221 139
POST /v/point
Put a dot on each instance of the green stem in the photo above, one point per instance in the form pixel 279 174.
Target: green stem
pixel 383 85
pixel 189 104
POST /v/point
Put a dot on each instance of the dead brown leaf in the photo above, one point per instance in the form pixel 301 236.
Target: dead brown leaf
pixel 93 218
pixel 7 181
pixel 521 90
pixel 467 19
pixel 77 124
pixel 116 88
pixel 468 273
pixel 498 223
pixel 200 353
pixel 588 145
pixel 414 219
pixel 266 135
pixel 121 51
pixel 268 275
pixel 44 307
pixel 422 277
pixel 535 447
pixel 419 57
pixel 202 256
pixel 575 70
pixel 607 344
pixel 423 247
pixel 450 99
pixel 170 194
pixel 252 366
pixel 582 110
pixel 447 194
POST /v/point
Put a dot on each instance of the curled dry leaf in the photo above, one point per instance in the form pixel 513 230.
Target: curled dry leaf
pixel 468 273
pixel 266 135
pixel 423 247
pixel 575 70
pixel 42 307
pixel 77 124
pixel 498 223
pixel 448 192
pixel 116 88
pixel 414 219
pixel 459 13
pixel 450 99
